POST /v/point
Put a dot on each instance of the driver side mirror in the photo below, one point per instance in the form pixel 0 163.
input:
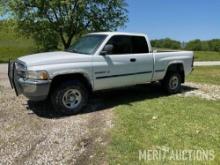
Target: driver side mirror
pixel 107 49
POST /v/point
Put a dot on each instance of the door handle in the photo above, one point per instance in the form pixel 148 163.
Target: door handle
pixel 133 59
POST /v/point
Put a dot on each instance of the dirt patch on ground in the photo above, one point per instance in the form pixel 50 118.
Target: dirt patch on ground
pixel 32 133
pixel 204 91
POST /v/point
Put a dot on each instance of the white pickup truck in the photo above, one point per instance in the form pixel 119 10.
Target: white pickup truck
pixel 97 61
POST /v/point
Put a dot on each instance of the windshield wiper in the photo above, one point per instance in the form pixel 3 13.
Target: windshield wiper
pixel 71 50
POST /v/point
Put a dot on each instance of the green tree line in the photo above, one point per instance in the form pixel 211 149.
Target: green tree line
pixel 54 22
pixel 195 45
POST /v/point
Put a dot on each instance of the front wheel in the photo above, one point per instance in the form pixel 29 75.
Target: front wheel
pixel 172 83
pixel 70 97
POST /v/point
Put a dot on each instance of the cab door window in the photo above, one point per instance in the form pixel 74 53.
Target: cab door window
pixel 121 44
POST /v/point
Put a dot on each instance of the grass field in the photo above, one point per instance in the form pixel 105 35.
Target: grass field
pixel 210 75
pixel 173 123
pixel 13 46
pixel 207 56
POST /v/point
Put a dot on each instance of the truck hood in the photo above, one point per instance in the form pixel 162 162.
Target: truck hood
pixel 54 58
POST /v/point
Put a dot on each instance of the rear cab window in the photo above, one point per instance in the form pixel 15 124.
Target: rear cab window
pixel 139 45
pixel 128 44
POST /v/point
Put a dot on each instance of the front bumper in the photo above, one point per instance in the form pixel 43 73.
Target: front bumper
pixel 36 90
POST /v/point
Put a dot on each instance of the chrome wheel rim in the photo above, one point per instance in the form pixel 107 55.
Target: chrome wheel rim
pixel 72 98
pixel 174 82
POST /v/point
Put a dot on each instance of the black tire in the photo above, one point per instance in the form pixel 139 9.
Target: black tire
pixel 168 86
pixel 61 92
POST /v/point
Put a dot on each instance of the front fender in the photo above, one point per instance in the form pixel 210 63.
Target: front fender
pixel 84 73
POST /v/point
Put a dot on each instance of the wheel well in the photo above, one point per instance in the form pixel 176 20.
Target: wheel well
pixel 177 68
pixel 76 76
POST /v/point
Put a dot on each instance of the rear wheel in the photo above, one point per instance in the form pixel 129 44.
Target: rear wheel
pixel 70 97
pixel 172 83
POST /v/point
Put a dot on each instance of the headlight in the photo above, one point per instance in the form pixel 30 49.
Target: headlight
pixel 37 75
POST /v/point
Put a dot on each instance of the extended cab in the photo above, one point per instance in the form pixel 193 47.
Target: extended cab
pixel 97 61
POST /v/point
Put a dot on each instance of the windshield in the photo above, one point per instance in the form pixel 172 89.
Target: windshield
pixel 87 44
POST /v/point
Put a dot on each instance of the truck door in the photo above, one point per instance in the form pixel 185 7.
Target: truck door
pixel 129 63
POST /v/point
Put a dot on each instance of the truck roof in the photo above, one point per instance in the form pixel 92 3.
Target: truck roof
pixel 120 33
